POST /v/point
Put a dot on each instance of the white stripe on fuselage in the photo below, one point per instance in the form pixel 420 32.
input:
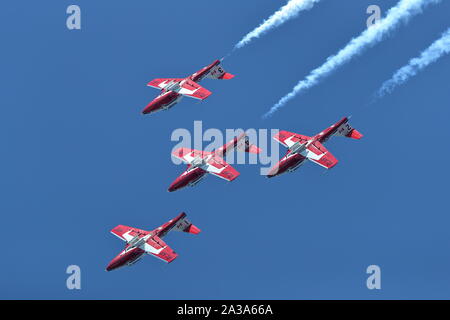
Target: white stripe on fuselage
pixel 206 166
pixel 145 246
pixel 305 152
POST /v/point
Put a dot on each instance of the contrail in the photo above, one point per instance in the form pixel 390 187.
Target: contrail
pixel 437 49
pixel 288 11
pixel 402 12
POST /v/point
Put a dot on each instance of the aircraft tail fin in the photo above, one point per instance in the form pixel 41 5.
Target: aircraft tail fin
pixel 346 130
pixel 180 223
pixel 245 146
pixel 240 143
pixel 185 225
pixel 217 72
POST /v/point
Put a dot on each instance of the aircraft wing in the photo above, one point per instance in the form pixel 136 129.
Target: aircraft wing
pixel 188 155
pixel 127 233
pixel 317 153
pixel 218 167
pixel 156 247
pixel 162 82
pixel 194 90
pixel 214 165
pixel 288 139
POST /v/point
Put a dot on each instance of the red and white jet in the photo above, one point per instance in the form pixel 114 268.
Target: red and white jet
pixel 173 89
pixel 150 242
pixel 199 163
pixel 311 148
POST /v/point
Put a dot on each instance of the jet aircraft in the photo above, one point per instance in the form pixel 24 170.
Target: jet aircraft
pixel 173 89
pixel 199 163
pixel 301 148
pixel 140 241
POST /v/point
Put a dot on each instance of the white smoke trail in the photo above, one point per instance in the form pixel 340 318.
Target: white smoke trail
pixel 437 49
pixel 404 10
pixel 288 11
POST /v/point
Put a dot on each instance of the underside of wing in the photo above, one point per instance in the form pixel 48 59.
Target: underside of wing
pixel 317 153
pixel 218 167
pixel 160 83
pixel 288 139
pixel 159 249
pixel 127 233
pixel 194 90
pixel 166 254
pixel 189 155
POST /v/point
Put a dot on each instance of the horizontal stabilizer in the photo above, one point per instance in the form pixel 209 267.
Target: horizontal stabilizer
pixel 192 229
pixel 354 134
pixel 227 76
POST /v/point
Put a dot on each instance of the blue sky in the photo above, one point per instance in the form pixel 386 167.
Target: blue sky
pixel 78 158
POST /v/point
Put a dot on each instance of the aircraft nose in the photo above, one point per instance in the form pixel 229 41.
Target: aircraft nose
pixel 148 108
pixel 172 188
pixel 112 265
pixel 273 172
pixel 174 185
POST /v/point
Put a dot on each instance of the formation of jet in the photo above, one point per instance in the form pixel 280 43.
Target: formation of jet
pixel 173 89
pixel 150 242
pixel 303 148
pixel 199 163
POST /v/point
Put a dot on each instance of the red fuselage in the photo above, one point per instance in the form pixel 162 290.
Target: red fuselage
pixel 287 163
pixel 187 178
pixel 125 258
pixel 164 101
